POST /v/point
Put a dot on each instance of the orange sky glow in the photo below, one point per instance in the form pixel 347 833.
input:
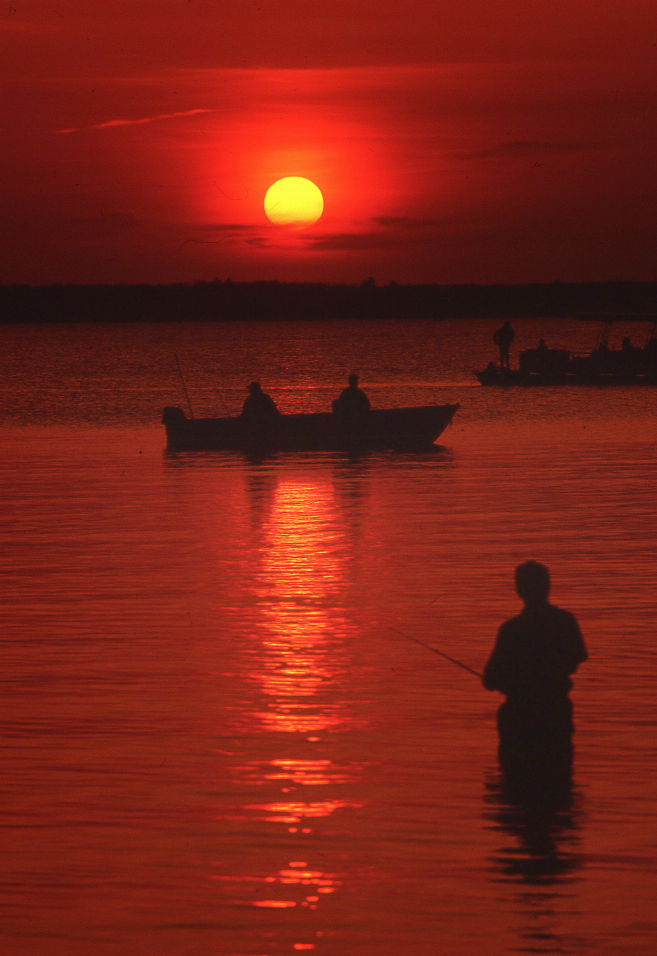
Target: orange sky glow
pixel 465 141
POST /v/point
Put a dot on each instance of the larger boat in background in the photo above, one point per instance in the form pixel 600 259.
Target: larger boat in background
pixel 381 429
pixel 629 365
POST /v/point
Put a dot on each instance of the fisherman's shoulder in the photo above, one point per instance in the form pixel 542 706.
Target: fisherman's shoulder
pixel 511 628
pixel 563 617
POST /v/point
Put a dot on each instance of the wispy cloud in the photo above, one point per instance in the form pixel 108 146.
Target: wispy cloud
pixel 348 241
pixel 134 122
pixel 404 222
pixel 525 148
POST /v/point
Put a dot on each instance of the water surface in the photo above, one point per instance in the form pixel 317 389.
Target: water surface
pixel 212 740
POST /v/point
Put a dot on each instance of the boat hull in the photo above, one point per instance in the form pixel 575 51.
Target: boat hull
pixel 381 429
pixel 505 377
pixel 559 367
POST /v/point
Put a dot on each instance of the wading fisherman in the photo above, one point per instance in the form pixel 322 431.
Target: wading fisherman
pixel 534 656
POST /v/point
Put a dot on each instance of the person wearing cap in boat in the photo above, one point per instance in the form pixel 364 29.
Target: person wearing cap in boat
pixel 503 339
pixel 259 407
pixel 534 656
pixel 352 403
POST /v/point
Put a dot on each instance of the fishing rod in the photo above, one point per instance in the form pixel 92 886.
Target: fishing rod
pixel 436 651
pixel 223 402
pixel 191 411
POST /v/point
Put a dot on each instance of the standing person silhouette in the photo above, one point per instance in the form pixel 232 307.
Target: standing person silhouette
pixel 534 656
pixel 503 339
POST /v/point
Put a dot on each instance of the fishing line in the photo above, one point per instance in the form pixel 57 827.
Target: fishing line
pixel 435 650
pixel 223 402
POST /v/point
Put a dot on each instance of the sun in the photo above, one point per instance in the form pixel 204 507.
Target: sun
pixel 294 201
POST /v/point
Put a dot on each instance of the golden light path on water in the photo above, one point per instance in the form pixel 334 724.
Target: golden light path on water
pixel 207 727
pixel 301 630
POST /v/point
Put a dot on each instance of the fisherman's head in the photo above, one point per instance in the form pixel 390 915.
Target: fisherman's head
pixel 254 387
pixel 532 582
pixel 353 380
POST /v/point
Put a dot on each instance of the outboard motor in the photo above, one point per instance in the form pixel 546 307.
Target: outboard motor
pixel 173 415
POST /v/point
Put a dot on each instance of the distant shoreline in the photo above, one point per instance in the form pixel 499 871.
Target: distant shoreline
pixel 271 301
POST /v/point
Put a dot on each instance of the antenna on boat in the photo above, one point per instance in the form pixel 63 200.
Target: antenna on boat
pixel 191 410
pixel 436 651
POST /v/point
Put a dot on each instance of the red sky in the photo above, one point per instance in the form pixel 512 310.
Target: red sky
pixel 453 140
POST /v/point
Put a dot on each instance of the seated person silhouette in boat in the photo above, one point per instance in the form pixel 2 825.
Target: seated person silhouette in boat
pixel 503 339
pixel 534 656
pixel 259 408
pixel 353 404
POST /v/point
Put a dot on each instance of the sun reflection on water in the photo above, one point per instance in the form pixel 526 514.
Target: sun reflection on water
pixel 319 881
pixel 296 662
pixel 293 811
pixel 308 773
pixel 301 625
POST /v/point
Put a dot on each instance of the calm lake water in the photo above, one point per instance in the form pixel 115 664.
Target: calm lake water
pixel 214 744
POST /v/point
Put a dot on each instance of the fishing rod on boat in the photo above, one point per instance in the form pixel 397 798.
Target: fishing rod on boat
pixel 223 402
pixel 435 650
pixel 191 411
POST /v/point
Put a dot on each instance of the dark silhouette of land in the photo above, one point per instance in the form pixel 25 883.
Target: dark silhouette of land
pixel 534 656
pixel 225 301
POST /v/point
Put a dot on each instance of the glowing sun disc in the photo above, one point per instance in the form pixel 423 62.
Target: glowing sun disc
pixel 294 201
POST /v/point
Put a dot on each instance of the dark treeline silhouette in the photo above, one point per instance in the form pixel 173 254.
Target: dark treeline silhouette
pixel 218 301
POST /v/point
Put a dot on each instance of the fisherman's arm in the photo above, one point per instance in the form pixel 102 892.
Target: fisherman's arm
pixel 569 648
pixel 496 669
pixel 578 652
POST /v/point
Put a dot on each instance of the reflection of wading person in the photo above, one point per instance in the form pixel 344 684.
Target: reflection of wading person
pixel 503 339
pixel 531 663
